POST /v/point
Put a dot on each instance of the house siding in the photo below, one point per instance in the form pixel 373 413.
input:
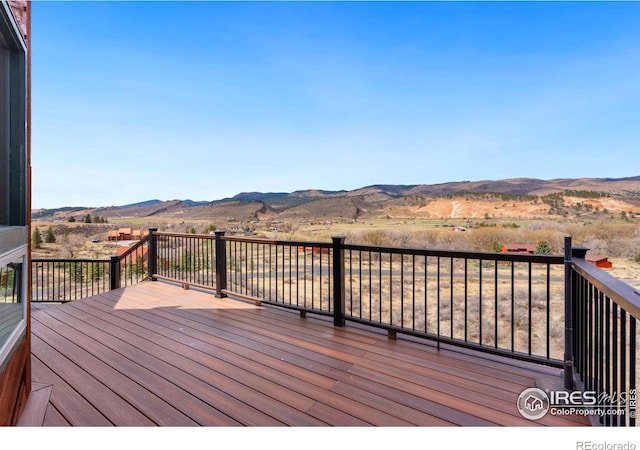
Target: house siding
pixel 15 370
pixel 15 384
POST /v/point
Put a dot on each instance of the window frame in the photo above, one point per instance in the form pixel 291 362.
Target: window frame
pixel 13 193
pixel 14 190
pixel 19 331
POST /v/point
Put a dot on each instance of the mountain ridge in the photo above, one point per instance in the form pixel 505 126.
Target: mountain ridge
pixel 384 199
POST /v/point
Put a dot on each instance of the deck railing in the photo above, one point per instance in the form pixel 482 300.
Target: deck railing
pixel 505 304
pixel 499 303
pixel 291 274
pixel 494 302
pixel 186 258
pixel 605 340
pixel 63 280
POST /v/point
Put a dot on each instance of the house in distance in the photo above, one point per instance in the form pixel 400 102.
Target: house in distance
pixel 125 234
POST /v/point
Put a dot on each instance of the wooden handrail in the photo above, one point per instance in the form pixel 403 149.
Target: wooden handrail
pixel 618 291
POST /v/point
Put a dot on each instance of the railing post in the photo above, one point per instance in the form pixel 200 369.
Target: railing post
pixel 568 315
pixel 152 259
pixel 114 272
pixel 338 281
pixel 221 265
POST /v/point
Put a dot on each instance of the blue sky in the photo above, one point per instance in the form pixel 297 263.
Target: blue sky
pixel 203 100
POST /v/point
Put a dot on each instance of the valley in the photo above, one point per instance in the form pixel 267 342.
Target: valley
pixel 600 214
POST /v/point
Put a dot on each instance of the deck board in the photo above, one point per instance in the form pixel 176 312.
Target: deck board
pixel 75 407
pixel 156 354
pixel 125 362
pixel 226 366
pixel 53 418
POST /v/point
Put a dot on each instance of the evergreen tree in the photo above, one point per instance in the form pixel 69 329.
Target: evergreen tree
pixel 87 218
pixel 543 248
pixel 71 219
pixel 36 238
pixel 50 238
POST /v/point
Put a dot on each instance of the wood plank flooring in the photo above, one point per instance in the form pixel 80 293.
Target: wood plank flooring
pixel 155 354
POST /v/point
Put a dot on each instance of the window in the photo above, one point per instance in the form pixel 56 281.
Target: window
pixel 12 298
pixel 13 192
pixel 13 186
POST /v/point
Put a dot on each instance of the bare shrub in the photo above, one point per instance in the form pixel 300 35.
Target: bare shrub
pixel 445 311
pixel 371 237
pixel 355 306
pixel 399 239
pixel 488 332
pixel 482 238
pixel 607 238
pixel 521 318
pixel 459 329
pixel 451 241
pixel 425 238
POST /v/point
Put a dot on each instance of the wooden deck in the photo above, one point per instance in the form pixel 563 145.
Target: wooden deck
pixel 156 354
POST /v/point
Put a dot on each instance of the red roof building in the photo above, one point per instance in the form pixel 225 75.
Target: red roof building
pixel 125 234
pixel 599 261
pixel 518 248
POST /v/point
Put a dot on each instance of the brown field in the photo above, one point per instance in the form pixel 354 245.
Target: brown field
pixel 617 240
pixel 419 216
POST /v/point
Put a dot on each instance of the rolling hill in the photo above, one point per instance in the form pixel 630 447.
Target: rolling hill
pixel 518 197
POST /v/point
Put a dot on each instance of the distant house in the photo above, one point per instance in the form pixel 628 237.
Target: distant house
pixel 518 248
pixel 310 250
pixel 238 230
pixel 125 234
pixel 599 261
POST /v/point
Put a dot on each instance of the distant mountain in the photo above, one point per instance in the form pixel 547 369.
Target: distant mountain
pixel 141 204
pixel 527 197
pixel 66 210
pixel 281 200
pixel 279 196
pixel 256 197
pixel 140 209
pixel 194 203
pixel 532 186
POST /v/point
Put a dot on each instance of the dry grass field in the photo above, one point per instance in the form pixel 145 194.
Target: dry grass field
pixel 619 241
